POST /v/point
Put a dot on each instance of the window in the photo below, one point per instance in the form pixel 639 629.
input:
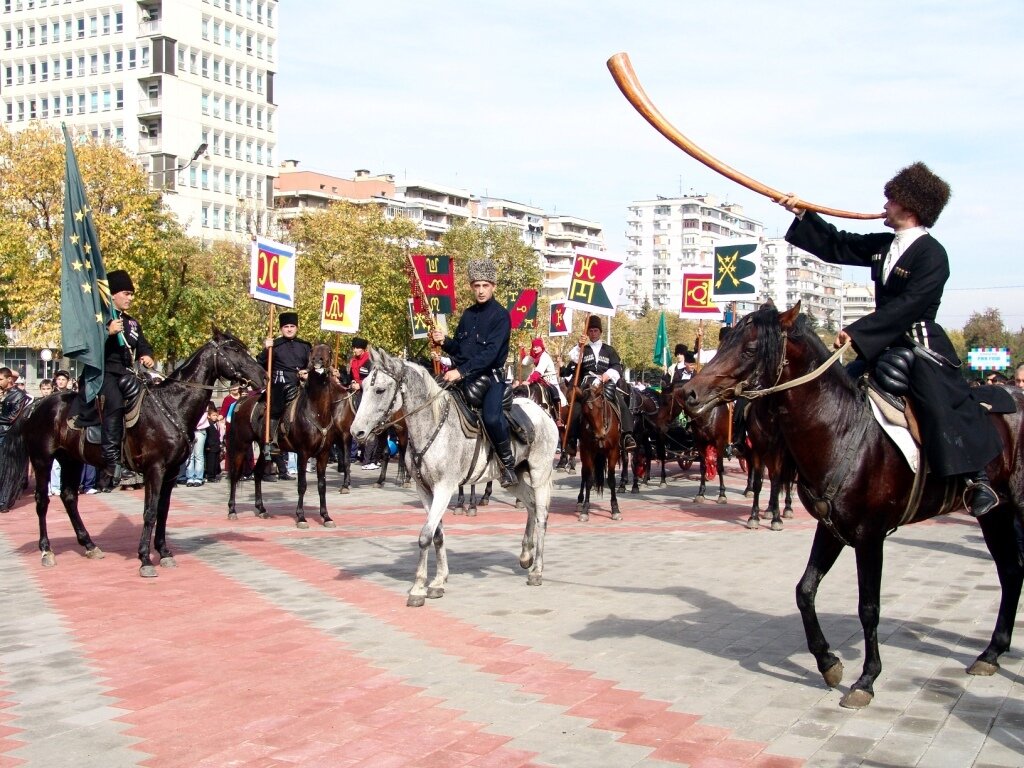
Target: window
pixel 206 29
pixel 192 176
pixel 55 31
pixel 118 60
pixel 192 59
pixel 216 70
pixel 21 74
pixel 43 32
pixel 119 22
pixel 81 66
pixel 69 68
pixel 81 103
pixel 206 66
pixel 216 113
pixel 181 59
pixel 32 35
pixel 32 72
pixel 94 64
pixel 44 70
pixel 92 26
pixel 248 9
pixel 106 99
pixel 131 58
pixel 94 101
pixel 119 98
pixel 259 118
pixel 227 74
pixel 68 29
pixel 106 23
pixel 106 61
pixel 216 32
pixel 145 56
pixel 44 108
pixel 19 37
pixel 205 176
pixel 9 76
pixel 56 69
pixel 10 112
pixel 81 28
pixel 206 212
pixel 69 105
pixel 259 82
pixel 206 103
pixel 32 109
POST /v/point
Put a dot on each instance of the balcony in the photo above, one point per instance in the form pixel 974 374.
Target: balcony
pixel 149 144
pixel 149 28
pixel 149 106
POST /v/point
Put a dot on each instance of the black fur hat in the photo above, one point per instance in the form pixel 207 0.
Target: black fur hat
pixel 358 343
pixel 919 190
pixel 682 349
pixel 119 280
pixel 288 318
pixel 689 357
pixel 594 322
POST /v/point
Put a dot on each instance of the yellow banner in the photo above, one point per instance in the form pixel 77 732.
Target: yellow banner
pixel 340 310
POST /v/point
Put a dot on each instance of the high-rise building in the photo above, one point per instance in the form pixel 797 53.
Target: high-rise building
pixel 789 275
pixel 858 301
pixel 665 236
pixel 186 85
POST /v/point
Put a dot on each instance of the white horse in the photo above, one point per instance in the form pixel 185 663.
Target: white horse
pixel 440 457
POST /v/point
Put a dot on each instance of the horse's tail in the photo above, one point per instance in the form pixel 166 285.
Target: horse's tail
pixel 13 462
pixel 599 471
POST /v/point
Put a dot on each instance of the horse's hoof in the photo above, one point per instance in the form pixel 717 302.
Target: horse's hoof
pixel 722 499
pixel 788 514
pixel 168 562
pixel 329 524
pixel 435 592
pixel 263 515
pixel 857 698
pixel 634 490
pixel 833 675
pixel 459 511
pixel 748 494
pixel 699 499
pixel 407 484
pixel 232 515
pixel 776 525
pixel 471 512
pixel 95 553
pixel 753 523
pixel 483 502
pixel 345 489
pixel 416 601
pixel 301 524
pixel 616 515
pixel 534 580
pixel 982 668
pixel 147 571
pixel 584 518
pixel 519 504
pixel 49 560
pixel 662 484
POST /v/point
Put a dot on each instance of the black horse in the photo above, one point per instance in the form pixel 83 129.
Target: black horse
pixel 155 445
pixel 853 479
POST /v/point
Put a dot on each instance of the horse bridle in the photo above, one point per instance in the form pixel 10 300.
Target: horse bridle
pixel 390 409
pixel 605 412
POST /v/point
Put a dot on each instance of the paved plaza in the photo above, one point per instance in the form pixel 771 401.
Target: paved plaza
pixel 669 638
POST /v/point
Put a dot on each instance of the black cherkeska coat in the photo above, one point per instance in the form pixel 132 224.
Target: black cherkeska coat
pixel 958 438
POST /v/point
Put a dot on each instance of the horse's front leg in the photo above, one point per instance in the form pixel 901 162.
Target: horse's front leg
pixel 321 486
pixel 460 502
pixel 300 512
pixel 163 510
pixel 436 587
pixel 583 498
pixel 613 457
pixel 49 559
pixel 700 498
pixel 150 508
pixel 721 479
pixel 257 484
pixel 774 491
pixel 1000 538
pixel 787 511
pixel 435 502
pixel 824 553
pixel 532 555
pixel 869 583
pixel 755 482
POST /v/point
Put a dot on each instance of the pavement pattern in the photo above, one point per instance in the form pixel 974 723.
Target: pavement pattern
pixel 669 638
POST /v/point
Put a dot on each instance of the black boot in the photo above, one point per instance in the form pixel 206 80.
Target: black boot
pixel 508 463
pixel 272 449
pixel 979 491
pixel 113 432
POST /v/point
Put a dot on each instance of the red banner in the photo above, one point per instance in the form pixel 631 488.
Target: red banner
pixel 524 310
pixel 558 321
pixel 437 276
pixel 697 295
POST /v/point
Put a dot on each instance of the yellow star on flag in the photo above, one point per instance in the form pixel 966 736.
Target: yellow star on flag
pixel 99 318
pixel 87 248
pixel 77 265
pixel 79 215
pixel 86 288
pixel 74 239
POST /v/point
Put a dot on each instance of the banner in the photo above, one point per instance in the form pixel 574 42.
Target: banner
pixel 661 353
pixel 272 272
pixel 697 301
pixel 737 267
pixel 523 310
pixel 341 307
pixel 598 282
pixel 85 306
pixel 559 319
pixel 437 276
pixel 418 322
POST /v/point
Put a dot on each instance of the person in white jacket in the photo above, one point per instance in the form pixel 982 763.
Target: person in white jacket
pixel 543 369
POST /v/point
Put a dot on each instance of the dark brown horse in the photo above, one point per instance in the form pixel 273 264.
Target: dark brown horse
pixel 309 432
pixel 599 449
pixel 767 452
pixel 155 445
pixel 708 428
pixel 854 480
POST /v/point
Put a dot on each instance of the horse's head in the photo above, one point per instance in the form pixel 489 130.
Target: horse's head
pixel 233 362
pixel 752 357
pixel 320 358
pixel 381 395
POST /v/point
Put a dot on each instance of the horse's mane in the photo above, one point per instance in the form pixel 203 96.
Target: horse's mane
pixel 767 322
pixel 175 375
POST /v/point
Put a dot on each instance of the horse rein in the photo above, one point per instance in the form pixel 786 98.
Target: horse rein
pixel 754 394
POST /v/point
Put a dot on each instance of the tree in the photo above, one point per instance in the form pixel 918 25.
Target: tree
pixel 985 329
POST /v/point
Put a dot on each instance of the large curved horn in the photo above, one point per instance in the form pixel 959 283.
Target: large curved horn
pixel 626 79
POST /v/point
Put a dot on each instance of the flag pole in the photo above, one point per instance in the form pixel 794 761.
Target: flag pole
pixel 270 364
pixel 575 385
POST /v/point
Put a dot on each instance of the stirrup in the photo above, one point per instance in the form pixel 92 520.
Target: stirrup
pixel 983 498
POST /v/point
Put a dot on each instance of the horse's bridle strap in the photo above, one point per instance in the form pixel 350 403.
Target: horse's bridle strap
pixel 753 394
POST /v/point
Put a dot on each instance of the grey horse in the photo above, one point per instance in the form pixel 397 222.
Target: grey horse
pixel 440 457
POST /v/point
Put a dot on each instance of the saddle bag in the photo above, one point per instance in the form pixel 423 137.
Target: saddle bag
pixel 892 370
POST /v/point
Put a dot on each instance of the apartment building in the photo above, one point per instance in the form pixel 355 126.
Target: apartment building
pixel 789 275
pixel 669 235
pixel 858 301
pixel 186 85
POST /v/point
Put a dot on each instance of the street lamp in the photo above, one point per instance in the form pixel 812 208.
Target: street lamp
pixel 46 355
pixel 200 151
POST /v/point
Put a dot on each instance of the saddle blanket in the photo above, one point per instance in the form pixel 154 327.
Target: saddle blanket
pixel 900 435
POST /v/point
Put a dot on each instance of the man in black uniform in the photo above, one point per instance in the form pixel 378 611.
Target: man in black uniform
pixel 910 269
pixel 478 353
pixel 601 361
pixel 125 344
pixel 290 364
pixel 683 368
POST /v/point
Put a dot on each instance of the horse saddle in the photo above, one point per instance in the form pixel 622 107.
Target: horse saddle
pixel 257 418
pixel 469 417
pixel 86 416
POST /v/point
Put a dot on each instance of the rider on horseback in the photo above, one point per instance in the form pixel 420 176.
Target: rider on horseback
pixel 290 363
pixel 478 354
pixel 124 345
pixel 601 361
pixel 544 371
pixel 910 269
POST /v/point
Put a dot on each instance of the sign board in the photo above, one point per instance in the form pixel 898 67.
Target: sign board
pixel 988 358
pixel 272 273
pixel 340 310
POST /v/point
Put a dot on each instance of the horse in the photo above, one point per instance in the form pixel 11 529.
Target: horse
pixel 854 480
pixel 767 452
pixel 310 433
pixel 461 508
pixel 650 437
pixel 344 412
pixel 441 456
pixel 155 445
pixel 599 449
pixel 403 479
pixel 709 429
pixel 567 460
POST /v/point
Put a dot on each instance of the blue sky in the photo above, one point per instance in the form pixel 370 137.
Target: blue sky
pixel 514 100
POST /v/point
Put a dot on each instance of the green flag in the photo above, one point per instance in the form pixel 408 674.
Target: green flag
pixel 661 343
pixel 84 294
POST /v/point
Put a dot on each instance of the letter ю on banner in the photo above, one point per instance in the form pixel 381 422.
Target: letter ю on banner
pixel 268 275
